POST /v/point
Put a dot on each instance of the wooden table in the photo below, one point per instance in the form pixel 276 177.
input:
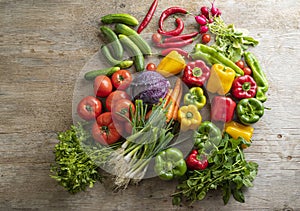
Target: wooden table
pixel 45 44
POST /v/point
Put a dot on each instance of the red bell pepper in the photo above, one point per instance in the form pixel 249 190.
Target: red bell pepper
pixel 195 161
pixel 195 73
pixel 222 109
pixel 244 87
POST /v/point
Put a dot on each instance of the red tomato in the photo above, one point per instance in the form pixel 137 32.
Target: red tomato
pixel 122 108
pixel 102 86
pixel 114 97
pixel 247 71
pixel 151 67
pixel 104 130
pixel 89 108
pixel 205 38
pixel 121 79
pixel 156 38
pixel 240 64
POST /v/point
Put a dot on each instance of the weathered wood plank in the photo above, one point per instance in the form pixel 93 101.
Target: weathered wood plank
pixel 44 46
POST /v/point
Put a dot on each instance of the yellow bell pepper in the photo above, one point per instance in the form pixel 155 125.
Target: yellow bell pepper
pixel 236 130
pixel 220 80
pixel 172 64
pixel 189 117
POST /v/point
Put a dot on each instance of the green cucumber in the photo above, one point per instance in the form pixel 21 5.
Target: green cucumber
pixel 120 18
pixel 134 36
pixel 113 40
pixel 134 51
pixel 106 71
pixel 112 61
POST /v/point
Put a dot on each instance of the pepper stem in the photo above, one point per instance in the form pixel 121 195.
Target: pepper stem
pixel 246 86
pixel 197 71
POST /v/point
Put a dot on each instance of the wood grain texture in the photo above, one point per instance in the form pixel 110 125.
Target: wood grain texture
pixel 45 44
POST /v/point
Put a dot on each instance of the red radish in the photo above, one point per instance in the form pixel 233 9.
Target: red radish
pixel 203 16
pixel 214 10
pixel 204 11
pixel 200 20
pixel 203 29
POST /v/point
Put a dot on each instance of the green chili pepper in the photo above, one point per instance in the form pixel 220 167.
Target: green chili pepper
pixel 212 56
pixel 207 136
pixel 250 110
pixel 170 164
pixel 196 97
pixel 258 75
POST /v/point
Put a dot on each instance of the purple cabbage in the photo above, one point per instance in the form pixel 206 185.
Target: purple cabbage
pixel 149 86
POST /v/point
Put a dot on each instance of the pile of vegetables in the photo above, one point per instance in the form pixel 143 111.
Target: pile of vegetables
pixel 143 112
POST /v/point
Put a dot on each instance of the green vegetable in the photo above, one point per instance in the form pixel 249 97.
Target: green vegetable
pixel 170 164
pixel 207 137
pixel 120 18
pixel 258 75
pixel 73 168
pixel 122 64
pixel 228 170
pixel 249 110
pixel 212 56
pixel 148 138
pixel 135 52
pixel 196 97
pixel 91 75
pixel 230 41
pixel 135 38
pixel 113 41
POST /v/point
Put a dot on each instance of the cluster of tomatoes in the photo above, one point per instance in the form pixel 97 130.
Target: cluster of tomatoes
pixel 109 108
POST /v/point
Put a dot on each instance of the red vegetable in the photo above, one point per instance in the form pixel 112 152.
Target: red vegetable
pixel 247 71
pixel 102 86
pixel 240 64
pixel 104 130
pixel 114 97
pixel 151 67
pixel 222 109
pixel 171 10
pixel 175 44
pixel 195 73
pixel 156 38
pixel 89 108
pixel 205 38
pixel 195 161
pixel 148 17
pixel 204 11
pixel 204 29
pixel 179 50
pixel 181 37
pixel 200 20
pixel 121 79
pixel 122 108
pixel 175 32
pixel 244 87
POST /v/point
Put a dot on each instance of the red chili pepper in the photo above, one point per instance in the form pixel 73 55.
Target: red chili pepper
pixel 181 37
pixel 148 17
pixel 180 44
pixel 175 32
pixel 179 50
pixel 165 14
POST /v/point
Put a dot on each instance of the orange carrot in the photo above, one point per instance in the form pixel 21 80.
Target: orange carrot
pixel 173 98
pixel 177 104
pixel 167 98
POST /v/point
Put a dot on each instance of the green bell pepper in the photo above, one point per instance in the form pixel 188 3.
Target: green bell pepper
pixel 170 164
pixel 207 136
pixel 250 110
pixel 196 97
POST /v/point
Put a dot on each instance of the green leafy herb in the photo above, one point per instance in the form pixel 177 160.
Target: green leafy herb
pixel 73 168
pixel 231 42
pixel 228 170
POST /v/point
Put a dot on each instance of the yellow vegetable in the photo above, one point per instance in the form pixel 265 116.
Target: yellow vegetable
pixel 172 64
pixel 220 79
pixel 189 117
pixel 236 130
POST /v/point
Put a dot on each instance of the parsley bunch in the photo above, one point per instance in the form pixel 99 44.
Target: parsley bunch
pixel 73 168
pixel 228 170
